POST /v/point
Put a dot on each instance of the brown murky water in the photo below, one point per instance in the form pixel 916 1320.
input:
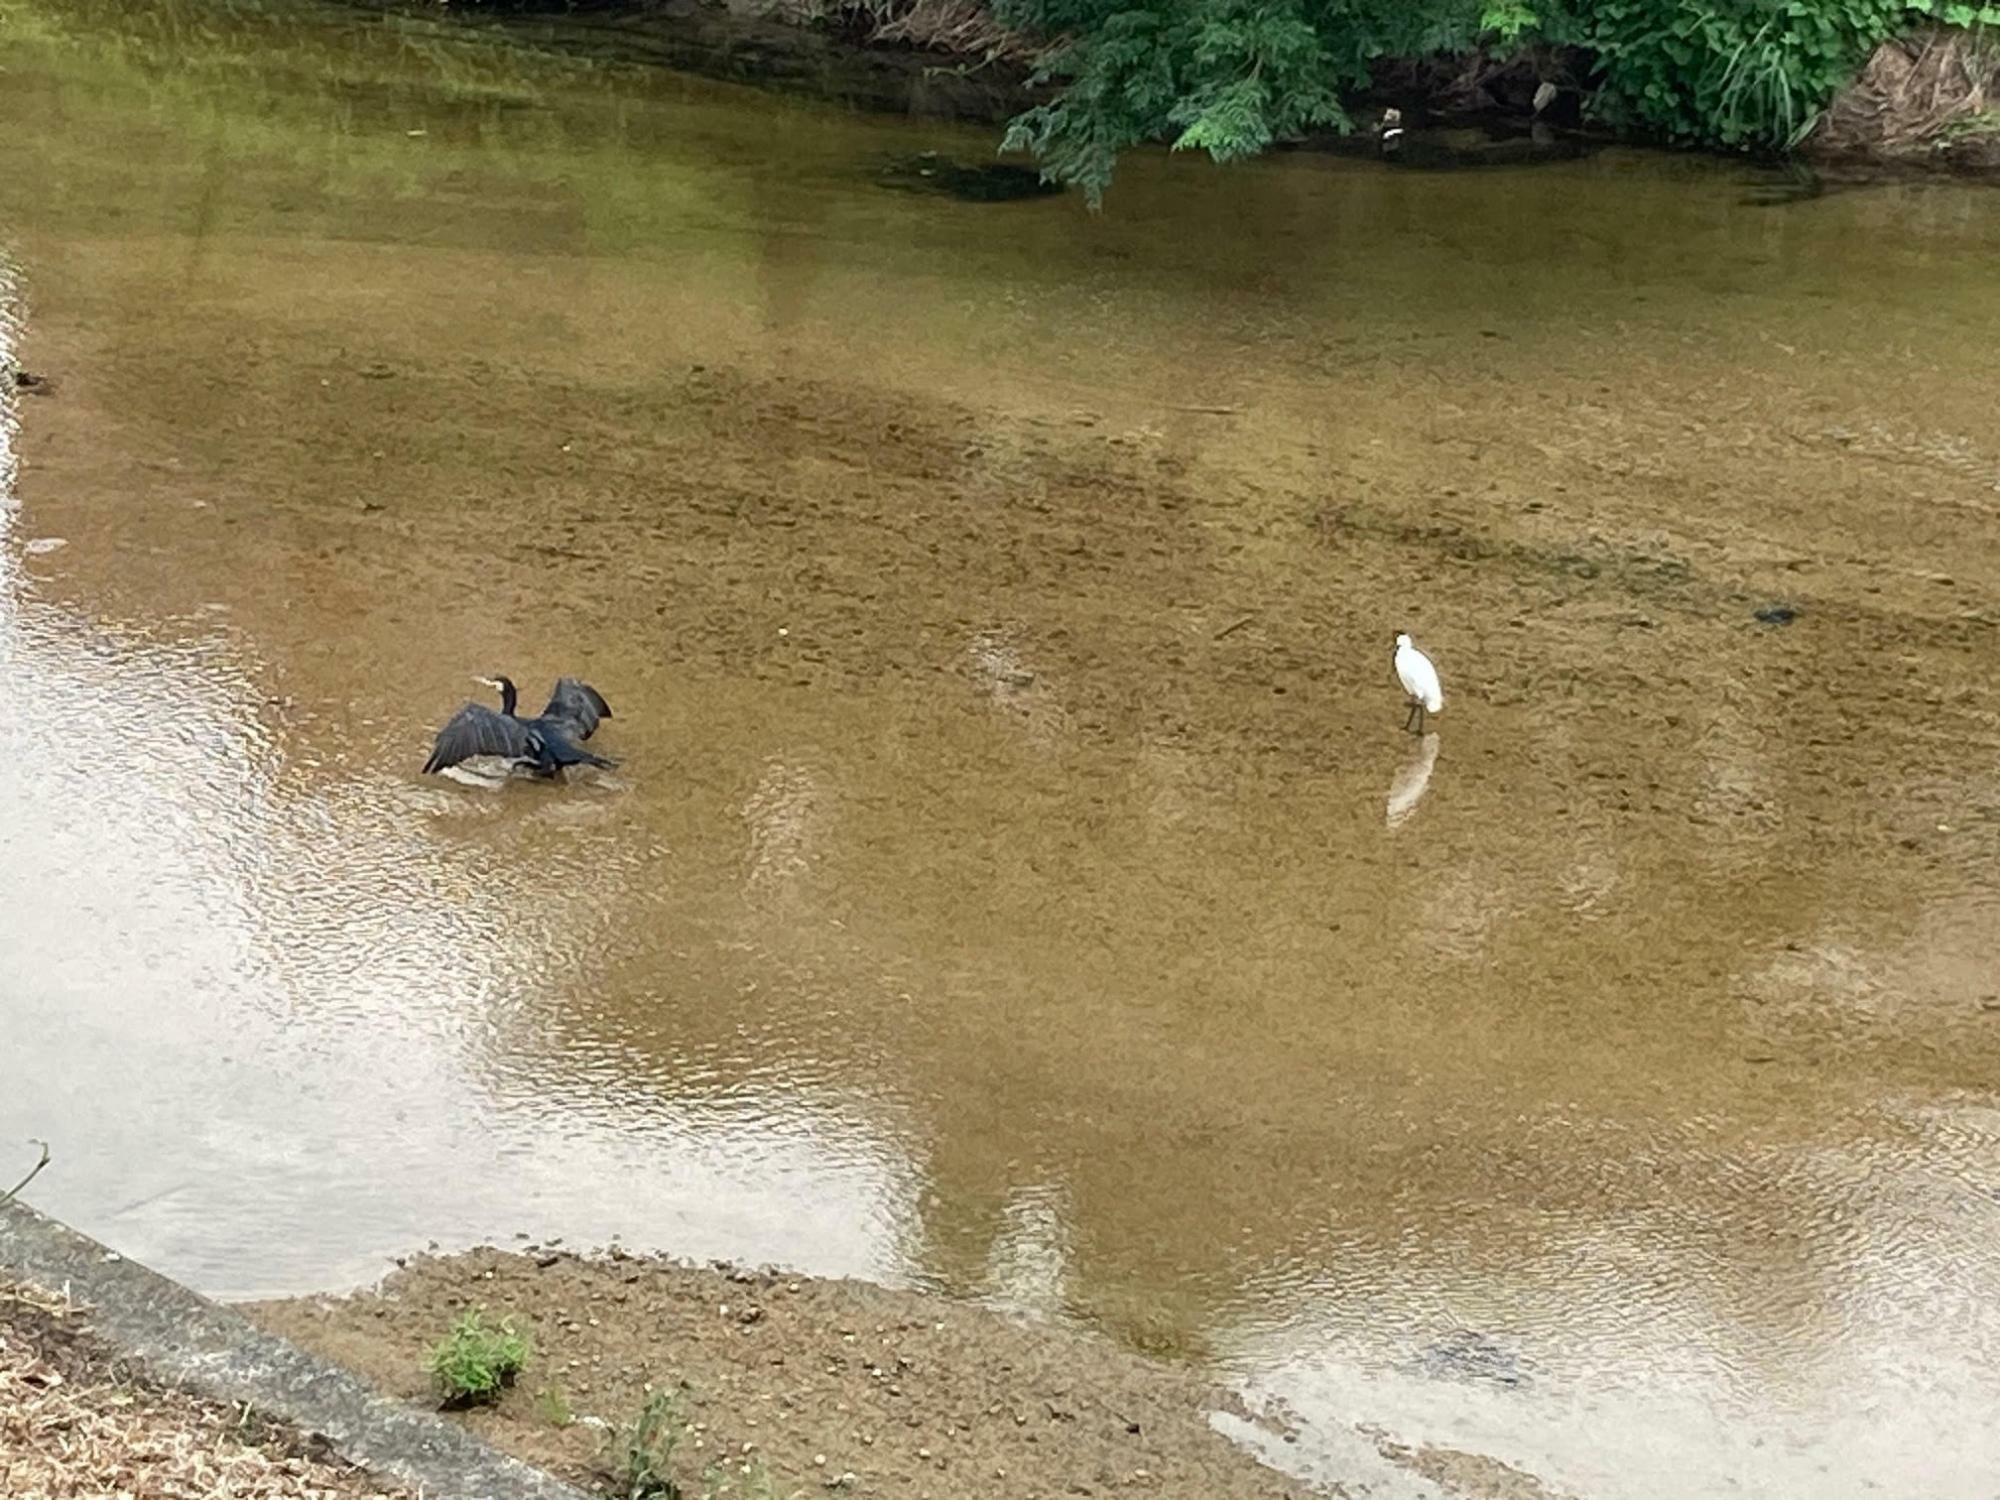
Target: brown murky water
pixel 1017 880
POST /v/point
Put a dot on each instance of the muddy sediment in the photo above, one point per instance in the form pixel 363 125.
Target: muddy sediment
pixel 830 1386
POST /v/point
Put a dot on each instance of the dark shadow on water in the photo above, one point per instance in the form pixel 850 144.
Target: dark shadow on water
pixel 997 182
pixel 1785 184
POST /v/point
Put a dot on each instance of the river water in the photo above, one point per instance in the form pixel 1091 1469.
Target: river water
pixel 1017 880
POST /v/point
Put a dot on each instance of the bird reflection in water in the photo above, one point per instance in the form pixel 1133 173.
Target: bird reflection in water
pixel 1412 781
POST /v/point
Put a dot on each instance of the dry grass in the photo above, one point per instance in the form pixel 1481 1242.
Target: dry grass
pixel 962 28
pixel 73 1424
pixel 1917 96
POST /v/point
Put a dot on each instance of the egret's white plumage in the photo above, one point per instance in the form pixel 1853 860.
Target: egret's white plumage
pixel 1419 678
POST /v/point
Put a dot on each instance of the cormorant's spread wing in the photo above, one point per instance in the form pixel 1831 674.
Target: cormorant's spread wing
pixel 477 730
pixel 577 706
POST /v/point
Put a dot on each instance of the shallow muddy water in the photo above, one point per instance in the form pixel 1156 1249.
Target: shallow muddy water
pixel 1017 881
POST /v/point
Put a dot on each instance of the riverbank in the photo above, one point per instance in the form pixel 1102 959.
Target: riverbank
pixel 785 47
pixel 76 1418
pixel 827 1384
pixel 1925 102
pixel 115 1376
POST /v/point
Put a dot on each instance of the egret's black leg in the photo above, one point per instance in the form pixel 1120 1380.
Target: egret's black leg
pixel 1411 717
pixel 1420 716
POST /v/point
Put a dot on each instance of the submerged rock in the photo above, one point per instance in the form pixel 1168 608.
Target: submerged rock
pixel 1467 1354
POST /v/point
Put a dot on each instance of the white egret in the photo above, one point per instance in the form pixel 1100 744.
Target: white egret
pixel 1420 680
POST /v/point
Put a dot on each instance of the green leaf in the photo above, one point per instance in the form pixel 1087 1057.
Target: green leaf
pixel 1507 20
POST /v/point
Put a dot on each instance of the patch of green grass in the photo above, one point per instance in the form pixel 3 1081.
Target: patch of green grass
pixel 643 1453
pixel 639 1462
pixel 473 1362
pixel 553 1403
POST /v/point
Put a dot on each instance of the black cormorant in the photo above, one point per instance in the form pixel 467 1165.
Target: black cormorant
pixel 542 745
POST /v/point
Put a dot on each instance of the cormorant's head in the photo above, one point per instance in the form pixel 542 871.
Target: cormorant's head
pixel 502 685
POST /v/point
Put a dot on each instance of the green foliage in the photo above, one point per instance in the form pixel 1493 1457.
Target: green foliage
pixel 643 1453
pixel 1506 21
pixel 552 1401
pixel 1230 77
pixel 473 1362
pixel 641 1461
pixel 1740 73
pixel 1965 17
